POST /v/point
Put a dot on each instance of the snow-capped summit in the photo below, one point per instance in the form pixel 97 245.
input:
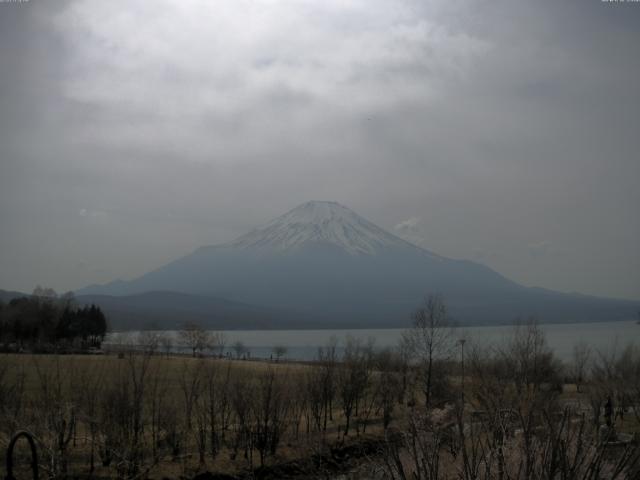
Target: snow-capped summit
pixel 320 222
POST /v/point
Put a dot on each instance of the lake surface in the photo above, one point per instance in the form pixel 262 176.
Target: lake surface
pixel 303 344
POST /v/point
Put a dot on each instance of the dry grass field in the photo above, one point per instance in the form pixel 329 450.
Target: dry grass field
pixel 141 414
pixel 168 416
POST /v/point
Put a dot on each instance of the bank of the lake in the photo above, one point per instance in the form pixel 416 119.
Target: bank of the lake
pixel 303 344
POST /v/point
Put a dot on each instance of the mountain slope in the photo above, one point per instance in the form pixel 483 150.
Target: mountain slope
pixel 169 310
pixel 331 265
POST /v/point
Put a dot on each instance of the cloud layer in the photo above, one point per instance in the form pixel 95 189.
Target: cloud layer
pixel 132 132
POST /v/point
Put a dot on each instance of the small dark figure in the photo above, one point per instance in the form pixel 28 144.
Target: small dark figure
pixel 608 411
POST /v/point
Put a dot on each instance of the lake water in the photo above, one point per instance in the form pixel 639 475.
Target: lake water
pixel 303 344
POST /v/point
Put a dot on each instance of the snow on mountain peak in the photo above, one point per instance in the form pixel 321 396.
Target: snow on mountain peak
pixel 320 222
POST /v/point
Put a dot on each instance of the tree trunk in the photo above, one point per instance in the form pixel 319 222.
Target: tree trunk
pixel 428 392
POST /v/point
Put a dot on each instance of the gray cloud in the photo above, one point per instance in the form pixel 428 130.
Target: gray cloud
pixel 413 231
pixel 177 124
pixel 538 249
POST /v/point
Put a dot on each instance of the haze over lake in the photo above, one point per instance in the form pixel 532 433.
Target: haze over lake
pixel 303 344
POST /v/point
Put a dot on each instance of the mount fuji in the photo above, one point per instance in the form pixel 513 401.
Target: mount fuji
pixel 323 265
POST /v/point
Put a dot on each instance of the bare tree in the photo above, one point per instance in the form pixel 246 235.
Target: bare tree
pixel 314 395
pixel 166 342
pixel 242 393
pixel 298 400
pixel 12 398
pixel 216 399
pixel 431 338
pixel 279 351
pixel 328 360
pixel 615 375
pixel 217 343
pixel 535 375
pixel 90 386
pixel 415 452
pixel 156 403
pixel 55 414
pixel 353 379
pixel 403 359
pixel 580 363
pixel 387 383
pixel 191 380
pixel 44 293
pixel 270 410
pixel 628 367
pixel 602 382
pixel 138 370
pixel 149 341
pixel 194 337
pixel 239 348
pixel 201 413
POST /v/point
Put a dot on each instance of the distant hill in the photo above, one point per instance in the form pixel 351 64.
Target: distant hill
pixel 169 310
pixel 7 295
pixel 334 268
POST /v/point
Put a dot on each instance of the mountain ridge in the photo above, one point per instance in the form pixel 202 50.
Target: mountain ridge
pixel 332 266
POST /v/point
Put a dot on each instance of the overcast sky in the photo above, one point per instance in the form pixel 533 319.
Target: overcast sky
pixel 505 132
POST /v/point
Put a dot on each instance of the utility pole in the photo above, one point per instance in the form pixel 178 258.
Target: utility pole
pixel 462 342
